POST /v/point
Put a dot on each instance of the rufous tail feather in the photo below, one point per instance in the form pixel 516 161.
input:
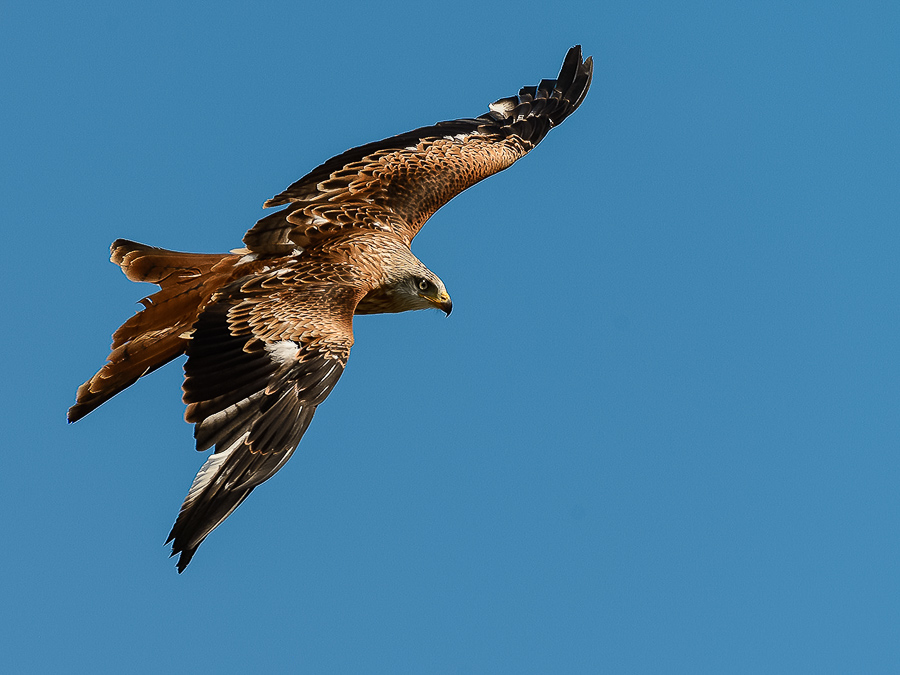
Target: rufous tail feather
pixel 158 333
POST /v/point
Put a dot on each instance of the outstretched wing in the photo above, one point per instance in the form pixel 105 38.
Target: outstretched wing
pixel 397 183
pixel 262 356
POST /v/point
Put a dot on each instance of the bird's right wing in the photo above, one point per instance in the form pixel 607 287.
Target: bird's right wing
pixel 263 354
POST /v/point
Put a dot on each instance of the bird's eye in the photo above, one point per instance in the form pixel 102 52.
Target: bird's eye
pixel 424 284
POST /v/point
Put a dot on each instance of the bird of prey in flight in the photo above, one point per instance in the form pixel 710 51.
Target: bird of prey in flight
pixel 267 329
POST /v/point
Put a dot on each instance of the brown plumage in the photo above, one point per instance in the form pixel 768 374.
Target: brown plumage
pixel 268 329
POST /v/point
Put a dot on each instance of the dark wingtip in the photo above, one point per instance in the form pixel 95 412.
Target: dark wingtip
pixel 570 64
pixel 537 109
pixel 185 556
pixel 575 77
pixel 79 410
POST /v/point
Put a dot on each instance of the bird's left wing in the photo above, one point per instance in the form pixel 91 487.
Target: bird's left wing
pixel 263 354
pixel 396 184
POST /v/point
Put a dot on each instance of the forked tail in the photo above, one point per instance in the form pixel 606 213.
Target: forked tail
pixel 159 332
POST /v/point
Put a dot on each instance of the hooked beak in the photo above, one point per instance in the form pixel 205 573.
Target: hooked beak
pixel 443 303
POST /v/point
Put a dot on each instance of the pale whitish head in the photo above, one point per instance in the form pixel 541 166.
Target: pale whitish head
pixel 411 285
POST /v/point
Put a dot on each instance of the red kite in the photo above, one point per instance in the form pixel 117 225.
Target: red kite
pixel 267 329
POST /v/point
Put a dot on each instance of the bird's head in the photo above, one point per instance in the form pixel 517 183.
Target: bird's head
pixel 405 282
pixel 410 285
pixel 425 290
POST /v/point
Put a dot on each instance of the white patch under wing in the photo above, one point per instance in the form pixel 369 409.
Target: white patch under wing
pixel 283 350
pixel 210 469
pixel 503 107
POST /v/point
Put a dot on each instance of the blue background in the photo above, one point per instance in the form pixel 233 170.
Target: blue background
pixel 658 434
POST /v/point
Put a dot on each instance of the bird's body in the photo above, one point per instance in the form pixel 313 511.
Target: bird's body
pixel 268 329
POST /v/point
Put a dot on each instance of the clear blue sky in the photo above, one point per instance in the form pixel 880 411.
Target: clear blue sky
pixel 659 432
